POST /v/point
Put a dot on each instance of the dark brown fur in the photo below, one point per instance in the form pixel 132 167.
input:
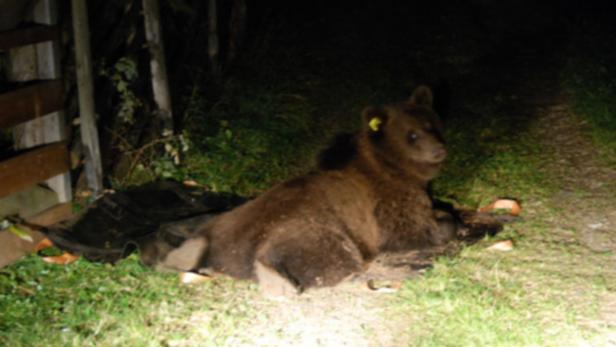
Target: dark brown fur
pixel 368 196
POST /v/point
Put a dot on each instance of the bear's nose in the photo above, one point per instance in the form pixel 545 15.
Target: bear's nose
pixel 439 153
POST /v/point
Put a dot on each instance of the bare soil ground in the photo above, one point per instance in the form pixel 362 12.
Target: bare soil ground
pixel 586 200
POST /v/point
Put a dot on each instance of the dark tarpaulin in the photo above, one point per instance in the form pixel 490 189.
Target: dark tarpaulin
pixel 119 223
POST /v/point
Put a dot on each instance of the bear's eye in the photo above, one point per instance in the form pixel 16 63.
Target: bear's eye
pixel 412 137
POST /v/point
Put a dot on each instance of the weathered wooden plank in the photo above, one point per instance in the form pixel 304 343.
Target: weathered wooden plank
pixel 30 102
pixel 28 36
pixel 45 59
pixel 48 53
pixel 85 88
pixel 32 167
pixel 52 215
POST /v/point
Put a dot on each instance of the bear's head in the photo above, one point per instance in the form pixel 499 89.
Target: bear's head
pixel 407 136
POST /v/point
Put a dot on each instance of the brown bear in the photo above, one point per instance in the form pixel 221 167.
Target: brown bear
pixel 368 196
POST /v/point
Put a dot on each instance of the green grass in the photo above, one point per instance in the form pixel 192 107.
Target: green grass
pixel 252 139
pixel 590 78
pixel 88 304
pixel 492 157
pixel 519 298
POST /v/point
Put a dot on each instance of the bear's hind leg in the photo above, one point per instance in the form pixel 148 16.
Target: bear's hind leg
pixel 291 266
pixel 273 283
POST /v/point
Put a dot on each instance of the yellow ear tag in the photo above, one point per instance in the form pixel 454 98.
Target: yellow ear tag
pixel 374 123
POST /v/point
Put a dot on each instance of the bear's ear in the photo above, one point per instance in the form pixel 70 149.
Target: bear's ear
pixel 422 96
pixel 374 118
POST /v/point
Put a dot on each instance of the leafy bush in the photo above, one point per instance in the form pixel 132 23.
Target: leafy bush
pixel 122 75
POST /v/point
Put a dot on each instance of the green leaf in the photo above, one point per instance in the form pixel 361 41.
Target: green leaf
pixel 21 233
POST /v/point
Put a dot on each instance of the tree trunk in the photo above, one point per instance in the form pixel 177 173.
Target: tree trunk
pixel 237 27
pixel 213 45
pixel 160 83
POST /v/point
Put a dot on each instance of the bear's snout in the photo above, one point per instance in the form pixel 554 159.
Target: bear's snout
pixel 439 154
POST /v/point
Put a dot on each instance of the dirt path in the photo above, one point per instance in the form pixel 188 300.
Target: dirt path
pixel 581 215
pixel 586 200
pixel 345 316
pixel 588 196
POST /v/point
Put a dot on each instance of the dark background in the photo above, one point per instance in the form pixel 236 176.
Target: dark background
pixel 304 70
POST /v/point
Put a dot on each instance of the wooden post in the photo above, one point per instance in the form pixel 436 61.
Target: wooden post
pixel 41 61
pixel 158 69
pixel 89 134
pixel 213 46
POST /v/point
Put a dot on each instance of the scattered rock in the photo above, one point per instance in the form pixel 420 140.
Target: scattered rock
pixel 502 246
pixel 193 278
pixel 508 205
pixel 64 259
pixel 43 244
pixel 384 286
pixel 595 225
